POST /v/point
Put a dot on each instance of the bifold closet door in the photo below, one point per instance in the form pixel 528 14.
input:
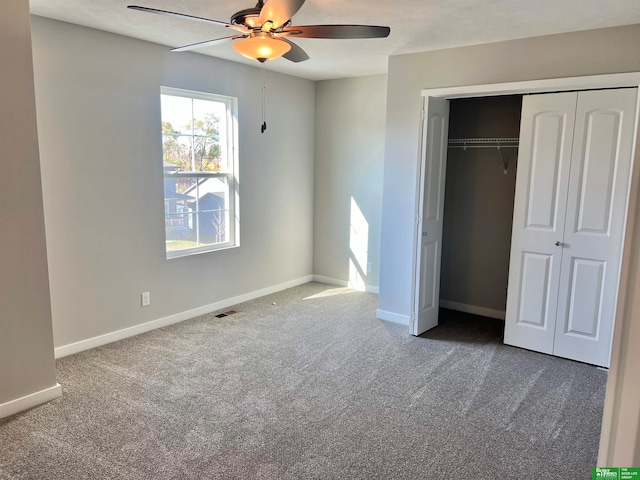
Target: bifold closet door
pixel 594 227
pixel 542 179
pixel 572 189
pixel 434 167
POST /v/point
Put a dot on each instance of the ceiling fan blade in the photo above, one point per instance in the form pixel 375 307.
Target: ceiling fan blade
pixel 296 54
pixel 279 12
pixel 177 15
pixel 338 31
pixel 208 43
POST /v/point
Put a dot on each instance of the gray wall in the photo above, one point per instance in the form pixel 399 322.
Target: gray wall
pixel 350 124
pixel 478 206
pixel 99 116
pixel 610 50
pixel 26 345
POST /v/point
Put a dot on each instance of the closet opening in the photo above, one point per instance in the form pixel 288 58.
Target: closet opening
pixel 568 203
pixel 480 180
pixel 540 248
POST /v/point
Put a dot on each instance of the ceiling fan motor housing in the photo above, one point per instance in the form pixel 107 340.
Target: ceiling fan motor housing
pixel 248 17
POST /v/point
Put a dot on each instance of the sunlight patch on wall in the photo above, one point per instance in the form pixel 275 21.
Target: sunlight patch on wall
pixel 359 247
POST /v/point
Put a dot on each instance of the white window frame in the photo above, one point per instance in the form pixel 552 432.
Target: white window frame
pixel 229 144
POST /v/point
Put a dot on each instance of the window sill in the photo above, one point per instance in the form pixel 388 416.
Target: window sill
pixel 187 252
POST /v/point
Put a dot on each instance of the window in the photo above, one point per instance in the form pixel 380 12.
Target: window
pixel 199 153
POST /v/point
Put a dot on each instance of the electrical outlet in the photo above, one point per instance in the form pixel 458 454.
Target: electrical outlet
pixel 145 298
pixel 369 267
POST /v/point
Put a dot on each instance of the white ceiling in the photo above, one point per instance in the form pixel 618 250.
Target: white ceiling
pixel 416 25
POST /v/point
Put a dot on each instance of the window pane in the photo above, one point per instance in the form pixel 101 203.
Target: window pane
pixel 206 154
pixel 176 114
pixel 179 227
pixel 177 150
pixel 206 128
pixel 207 111
pixel 213 205
pixel 196 212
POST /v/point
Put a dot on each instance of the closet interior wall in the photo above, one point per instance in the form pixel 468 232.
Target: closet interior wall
pixel 478 207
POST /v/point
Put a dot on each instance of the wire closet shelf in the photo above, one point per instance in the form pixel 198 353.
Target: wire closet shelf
pixel 497 143
pixel 483 142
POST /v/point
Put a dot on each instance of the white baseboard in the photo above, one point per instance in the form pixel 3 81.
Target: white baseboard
pixel 392 317
pixel 330 281
pixel 462 307
pixel 100 340
pixel 344 283
pixel 29 401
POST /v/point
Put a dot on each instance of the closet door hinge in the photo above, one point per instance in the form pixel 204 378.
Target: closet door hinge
pixel 423 114
pixel 412 320
pixel 417 219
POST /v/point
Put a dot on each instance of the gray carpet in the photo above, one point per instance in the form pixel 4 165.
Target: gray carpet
pixel 312 386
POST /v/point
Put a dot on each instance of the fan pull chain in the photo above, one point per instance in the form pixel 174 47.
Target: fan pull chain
pixel 264 103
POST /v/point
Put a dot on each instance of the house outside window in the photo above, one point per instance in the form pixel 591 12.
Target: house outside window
pixel 200 164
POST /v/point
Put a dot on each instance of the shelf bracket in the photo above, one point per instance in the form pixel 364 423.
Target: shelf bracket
pixel 505 161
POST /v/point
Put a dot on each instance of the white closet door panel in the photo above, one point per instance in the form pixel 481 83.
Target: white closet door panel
pixel 546 133
pixel 587 281
pixel 537 282
pixel 547 149
pixel 597 170
pixel 595 221
pixel 430 252
pixel 434 165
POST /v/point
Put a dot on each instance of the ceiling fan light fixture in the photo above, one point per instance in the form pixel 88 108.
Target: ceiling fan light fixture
pixel 261 47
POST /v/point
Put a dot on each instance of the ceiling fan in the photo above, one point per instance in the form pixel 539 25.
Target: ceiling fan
pixel 263 30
